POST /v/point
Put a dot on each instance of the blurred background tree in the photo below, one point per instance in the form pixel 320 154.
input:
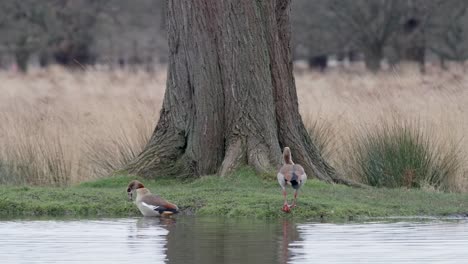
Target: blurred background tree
pixel 119 33
pixel 23 26
pixel 449 36
pixel 75 33
pixel 391 30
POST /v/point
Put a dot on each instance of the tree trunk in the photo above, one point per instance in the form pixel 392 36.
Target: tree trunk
pixel 22 58
pixel 417 53
pixel 373 56
pixel 230 98
pixel 443 63
pixel 22 54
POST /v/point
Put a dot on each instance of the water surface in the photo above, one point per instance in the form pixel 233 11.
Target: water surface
pixel 222 240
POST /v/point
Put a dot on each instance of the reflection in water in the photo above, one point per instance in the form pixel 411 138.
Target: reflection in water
pixel 222 240
pixel 147 231
pixel 289 234
pixel 430 242
pixel 82 241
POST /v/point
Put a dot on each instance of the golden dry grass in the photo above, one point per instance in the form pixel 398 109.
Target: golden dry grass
pixel 349 103
pixel 90 120
pixel 85 124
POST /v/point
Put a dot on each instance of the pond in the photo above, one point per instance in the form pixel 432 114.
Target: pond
pixel 222 240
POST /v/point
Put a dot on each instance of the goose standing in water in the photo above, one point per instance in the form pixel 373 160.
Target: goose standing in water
pixel 150 204
pixel 292 174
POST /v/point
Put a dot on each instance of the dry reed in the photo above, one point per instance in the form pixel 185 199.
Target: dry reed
pixel 354 102
pixel 60 127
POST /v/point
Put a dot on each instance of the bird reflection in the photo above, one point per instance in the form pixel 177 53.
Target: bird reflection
pixel 148 236
pixel 223 240
pixel 214 240
pixel 164 222
pixel 289 235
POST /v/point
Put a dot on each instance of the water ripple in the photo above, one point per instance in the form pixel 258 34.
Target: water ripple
pixel 403 242
pixel 224 240
pixel 83 241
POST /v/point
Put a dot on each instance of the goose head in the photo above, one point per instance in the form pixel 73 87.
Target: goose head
pixel 132 186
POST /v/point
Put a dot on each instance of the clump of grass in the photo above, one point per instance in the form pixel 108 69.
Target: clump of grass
pixel 120 149
pixel 402 155
pixel 322 135
pixel 36 161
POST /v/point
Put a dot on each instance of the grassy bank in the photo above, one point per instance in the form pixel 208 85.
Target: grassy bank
pixel 243 194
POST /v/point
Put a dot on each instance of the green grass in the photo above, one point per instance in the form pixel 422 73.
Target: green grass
pixel 242 194
pixel 402 155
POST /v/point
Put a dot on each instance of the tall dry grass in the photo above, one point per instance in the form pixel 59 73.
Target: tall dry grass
pixel 60 127
pixel 352 103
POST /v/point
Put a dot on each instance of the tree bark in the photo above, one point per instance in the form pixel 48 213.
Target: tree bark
pixel 230 98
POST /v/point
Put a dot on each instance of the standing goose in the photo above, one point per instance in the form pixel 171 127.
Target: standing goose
pixel 292 174
pixel 150 204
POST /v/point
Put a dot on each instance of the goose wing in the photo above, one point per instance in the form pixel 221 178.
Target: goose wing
pixel 292 172
pixel 156 203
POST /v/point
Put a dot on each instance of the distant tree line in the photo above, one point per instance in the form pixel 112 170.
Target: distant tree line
pixel 392 29
pixel 122 33
pixel 76 33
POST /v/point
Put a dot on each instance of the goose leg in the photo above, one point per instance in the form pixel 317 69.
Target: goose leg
pixel 285 205
pixel 295 199
pixel 284 195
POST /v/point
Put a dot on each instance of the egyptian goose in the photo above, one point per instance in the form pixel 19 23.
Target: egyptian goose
pixel 292 174
pixel 149 204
